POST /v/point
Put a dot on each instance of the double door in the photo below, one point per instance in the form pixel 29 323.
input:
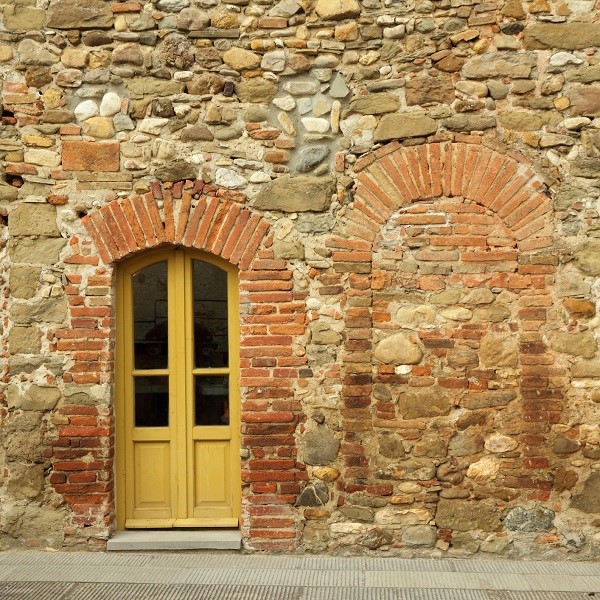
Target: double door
pixel 177 406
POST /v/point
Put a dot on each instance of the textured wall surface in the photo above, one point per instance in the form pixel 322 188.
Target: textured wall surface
pixel 410 191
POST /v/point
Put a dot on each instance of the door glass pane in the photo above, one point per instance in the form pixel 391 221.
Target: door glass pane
pixel 211 400
pixel 210 315
pixel 150 325
pixel 152 401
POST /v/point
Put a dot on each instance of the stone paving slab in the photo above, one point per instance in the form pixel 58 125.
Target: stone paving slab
pixel 224 576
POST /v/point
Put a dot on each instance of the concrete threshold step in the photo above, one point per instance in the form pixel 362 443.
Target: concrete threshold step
pixel 175 539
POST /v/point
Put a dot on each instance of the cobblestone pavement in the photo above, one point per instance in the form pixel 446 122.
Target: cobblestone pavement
pixel 225 576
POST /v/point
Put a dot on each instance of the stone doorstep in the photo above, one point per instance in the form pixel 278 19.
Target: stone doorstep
pixel 190 539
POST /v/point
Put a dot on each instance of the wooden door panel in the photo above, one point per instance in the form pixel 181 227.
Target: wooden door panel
pixel 152 484
pixel 212 479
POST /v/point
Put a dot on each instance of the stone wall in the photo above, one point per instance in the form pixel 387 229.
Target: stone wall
pixel 410 191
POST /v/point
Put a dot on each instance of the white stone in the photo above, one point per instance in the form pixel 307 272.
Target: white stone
pixel 229 179
pixel 456 313
pixel 304 105
pixel 322 106
pixel 152 125
pixel 301 88
pixel 560 59
pixel 285 103
pixel 575 123
pixel 314 125
pixel 43 158
pixel 394 33
pixel 336 109
pixel 499 443
pixel 260 177
pixel 313 304
pixel 286 123
pixel 183 75
pixel 85 110
pixel 395 516
pixel 485 469
pixel 172 5
pixel 110 105
pixel 273 61
pixel 472 88
pixel 348 528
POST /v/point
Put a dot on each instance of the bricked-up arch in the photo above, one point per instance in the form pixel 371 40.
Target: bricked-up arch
pixel 190 214
pixel 395 175
pixel 395 178
pixel 272 320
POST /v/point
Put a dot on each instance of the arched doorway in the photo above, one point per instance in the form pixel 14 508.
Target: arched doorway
pixel 177 408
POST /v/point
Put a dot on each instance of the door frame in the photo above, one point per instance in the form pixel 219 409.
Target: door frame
pixel 124 272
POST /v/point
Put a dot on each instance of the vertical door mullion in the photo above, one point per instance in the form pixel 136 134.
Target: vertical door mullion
pixel 177 368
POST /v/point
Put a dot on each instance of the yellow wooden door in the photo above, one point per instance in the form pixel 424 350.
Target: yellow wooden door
pixel 177 408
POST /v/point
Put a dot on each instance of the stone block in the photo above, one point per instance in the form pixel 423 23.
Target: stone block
pixel 500 64
pixel 78 155
pixel 296 194
pixel 24 340
pixel 24 280
pixel 576 344
pixel 566 36
pixel 399 349
pixel 44 310
pixel 17 17
pixel 427 402
pixel 320 446
pixel 407 125
pixel 40 250
pixel 33 219
pixel 37 398
pixel 466 515
pixel 75 14
pixel 588 501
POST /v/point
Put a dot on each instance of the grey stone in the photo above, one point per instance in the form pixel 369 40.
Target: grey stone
pixel 33 219
pixel 500 64
pixel 311 157
pixel 465 122
pixel 466 515
pixel 314 494
pixel 74 14
pixel 228 133
pixel 25 481
pixel 488 399
pixel 568 36
pixel 39 250
pixel 373 104
pixel 390 446
pixel 321 333
pixel 497 89
pixel 256 89
pixel 376 538
pixel 301 88
pixel 538 518
pixel 32 53
pixel 465 444
pixel 172 5
pixel 419 536
pixel 176 170
pixel 296 194
pixel 584 74
pixel 19 364
pixel 406 125
pixel 586 167
pixel 562 445
pixel 320 446
pixel 338 88
pixel 426 402
pixel 399 349
pixel 42 523
pixel 588 501
pixel 8 193
pixel 43 310
pixel 415 469
pixel 358 513
pixel 285 8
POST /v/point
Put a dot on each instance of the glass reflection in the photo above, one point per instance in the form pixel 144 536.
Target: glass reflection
pixel 210 315
pixel 150 328
pixel 211 400
pixel 152 401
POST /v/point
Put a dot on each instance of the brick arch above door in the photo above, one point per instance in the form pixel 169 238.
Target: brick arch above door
pixel 394 176
pixel 187 213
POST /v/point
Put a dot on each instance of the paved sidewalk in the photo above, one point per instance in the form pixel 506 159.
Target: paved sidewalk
pixel 228 576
